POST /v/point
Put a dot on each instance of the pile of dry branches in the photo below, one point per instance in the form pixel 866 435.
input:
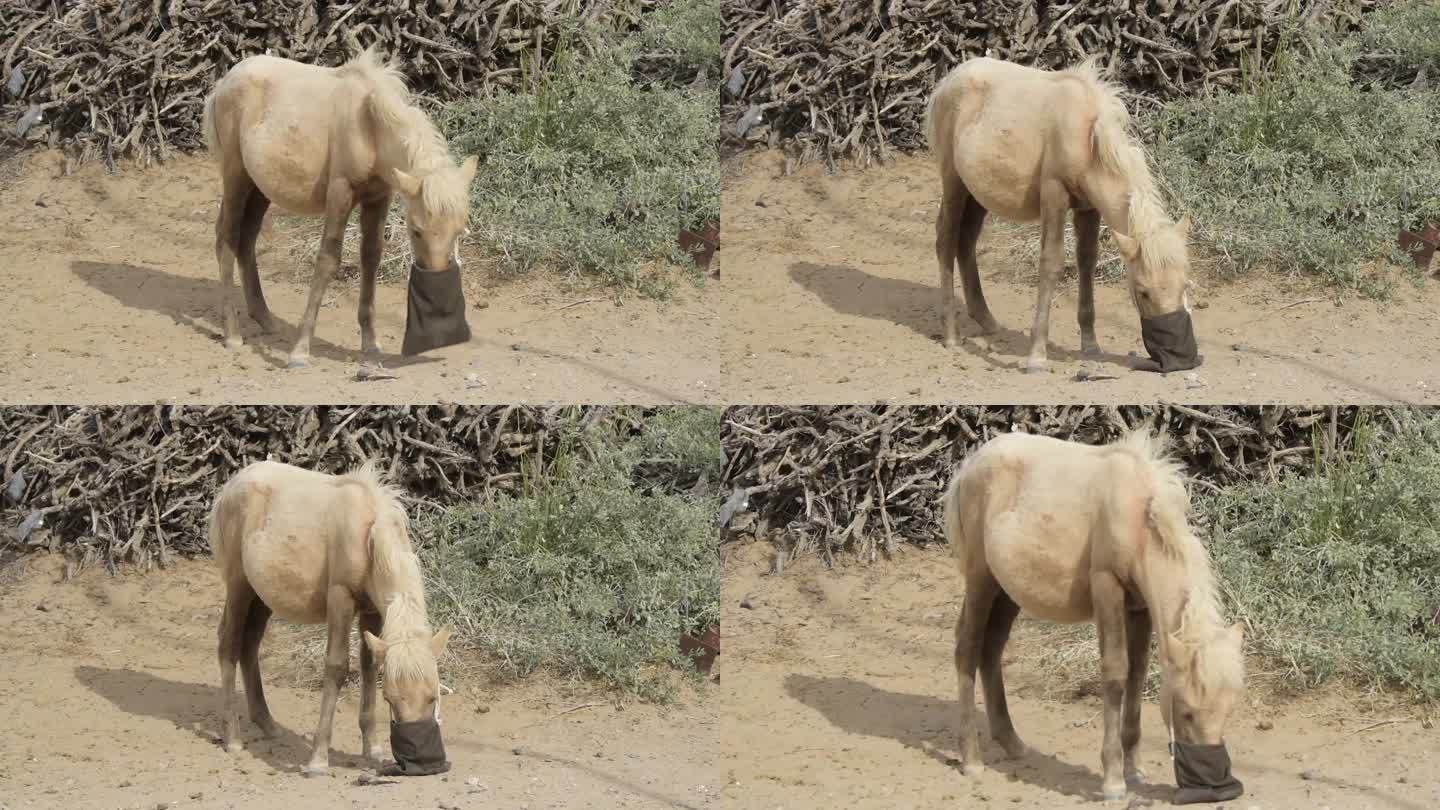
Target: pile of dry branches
pixel 129 77
pixel 862 478
pixel 851 77
pixel 135 484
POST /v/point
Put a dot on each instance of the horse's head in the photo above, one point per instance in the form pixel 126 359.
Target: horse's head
pixel 1158 267
pixel 412 680
pixel 1203 683
pixel 436 206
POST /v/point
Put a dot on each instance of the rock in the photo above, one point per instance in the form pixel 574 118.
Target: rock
pixel 1193 380
pixel 747 603
pixel 1264 725
pixel 1309 774
pixel 472 781
pixel 162 806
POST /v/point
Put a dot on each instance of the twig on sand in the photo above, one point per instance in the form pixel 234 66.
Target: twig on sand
pixel 577 303
pixel 1296 304
pixel 578 708
pixel 374 371
pixel 1381 723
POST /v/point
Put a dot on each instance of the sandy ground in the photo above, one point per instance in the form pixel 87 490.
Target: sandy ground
pixel 830 296
pixel 110 289
pixel 840 692
pixel 109 689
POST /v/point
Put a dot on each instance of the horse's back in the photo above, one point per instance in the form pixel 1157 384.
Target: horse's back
pixel 287 528
pixel 1032 500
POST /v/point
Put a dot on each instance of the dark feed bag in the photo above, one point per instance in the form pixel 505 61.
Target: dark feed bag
pixel 1170 340
pixel 1202 774
pixel 436 311
pixel 417 748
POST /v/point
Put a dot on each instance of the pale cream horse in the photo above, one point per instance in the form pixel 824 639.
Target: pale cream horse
pixel 1069 532
pixel 321 141
pixel 323 549
pixel 1029 145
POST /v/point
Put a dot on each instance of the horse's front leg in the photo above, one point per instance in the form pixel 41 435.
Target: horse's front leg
pixel 1087 252
pixel 340 612
pixel 369 623
pixel 1054 205
pixel 1137 640
pixel 339 202
pixel 372 247
pixel 1109 600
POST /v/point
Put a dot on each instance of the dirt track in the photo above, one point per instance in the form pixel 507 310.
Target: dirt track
pixel 840 692
pixel 830 297
pixel 110 285
pixel 109 689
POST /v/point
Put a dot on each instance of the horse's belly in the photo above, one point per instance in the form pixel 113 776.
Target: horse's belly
pixel 1041 565
pixel 288 572
pixel 997 162
pixel 287 163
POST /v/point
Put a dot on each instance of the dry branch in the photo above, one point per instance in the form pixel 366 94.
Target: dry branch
pixel 850 78
pixel 862 478
pixel 120 78
pixel 135 484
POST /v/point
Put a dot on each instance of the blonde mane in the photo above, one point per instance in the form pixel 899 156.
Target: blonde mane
pixel 396 569
pixel 1168 517
pixel 426 151
pixel 1161 247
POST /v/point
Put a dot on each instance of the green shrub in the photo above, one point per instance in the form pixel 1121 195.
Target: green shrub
pixel 1338 573
pixel 598 169
pixel 588 573
pixel 1308 170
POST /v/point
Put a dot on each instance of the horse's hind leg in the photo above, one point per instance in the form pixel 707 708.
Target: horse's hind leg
pixel 1110 621
pixel 952 207
pixel 339 202
pixel 980 592
pixel 1087 251
pixel 255 207
pixel 369 623
pixel 238 597
pixel 967 236
pixel 339 615
pixel 255 623
pixel 997 632
pixel 235 192
pixel 1137 640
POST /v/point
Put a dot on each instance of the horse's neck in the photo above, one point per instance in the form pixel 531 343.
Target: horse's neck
pixel 419 159
pixel 1166 588
pixel 1109 193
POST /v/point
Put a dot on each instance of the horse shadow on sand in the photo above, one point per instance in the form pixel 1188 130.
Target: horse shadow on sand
pixel 926 724
pixel 195 708
pixel 854 292
pixel 194 302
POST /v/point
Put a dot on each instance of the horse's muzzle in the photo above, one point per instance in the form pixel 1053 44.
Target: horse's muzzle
pixel 1202 774
pixel 1170 340
pixel 436 310
pixel 417 748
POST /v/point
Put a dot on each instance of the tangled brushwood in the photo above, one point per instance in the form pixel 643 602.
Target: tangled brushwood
pixel 850 78
pixel 134 484
pixel 864 478
pixel 128 78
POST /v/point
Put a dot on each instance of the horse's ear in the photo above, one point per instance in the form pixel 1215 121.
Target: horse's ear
pixel 1129 248
pixel 377 647
pixel 408 185
pixel 438 642
pixel 467 169
pixel 1183 226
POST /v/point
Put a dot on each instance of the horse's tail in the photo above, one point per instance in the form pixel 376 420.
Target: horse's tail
pixel 208 126
pixel 954 524
pixel 937 112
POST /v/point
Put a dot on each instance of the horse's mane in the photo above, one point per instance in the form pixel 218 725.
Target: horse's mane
pixel 1168 518
pixel 396 568
pixel 425 147
pixel 1161 246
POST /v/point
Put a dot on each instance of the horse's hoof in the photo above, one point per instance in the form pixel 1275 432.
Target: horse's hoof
pixel 298 361
pixel 268 731
pixel 234 747
pixel 1114 794
pixel 1135 776
pixel 234 342
pixel 1090 349
pixel 972 769
pixel 1035 366
pixel 987 323
pixel 315 770
pixel 266 322
pixel 1015 750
